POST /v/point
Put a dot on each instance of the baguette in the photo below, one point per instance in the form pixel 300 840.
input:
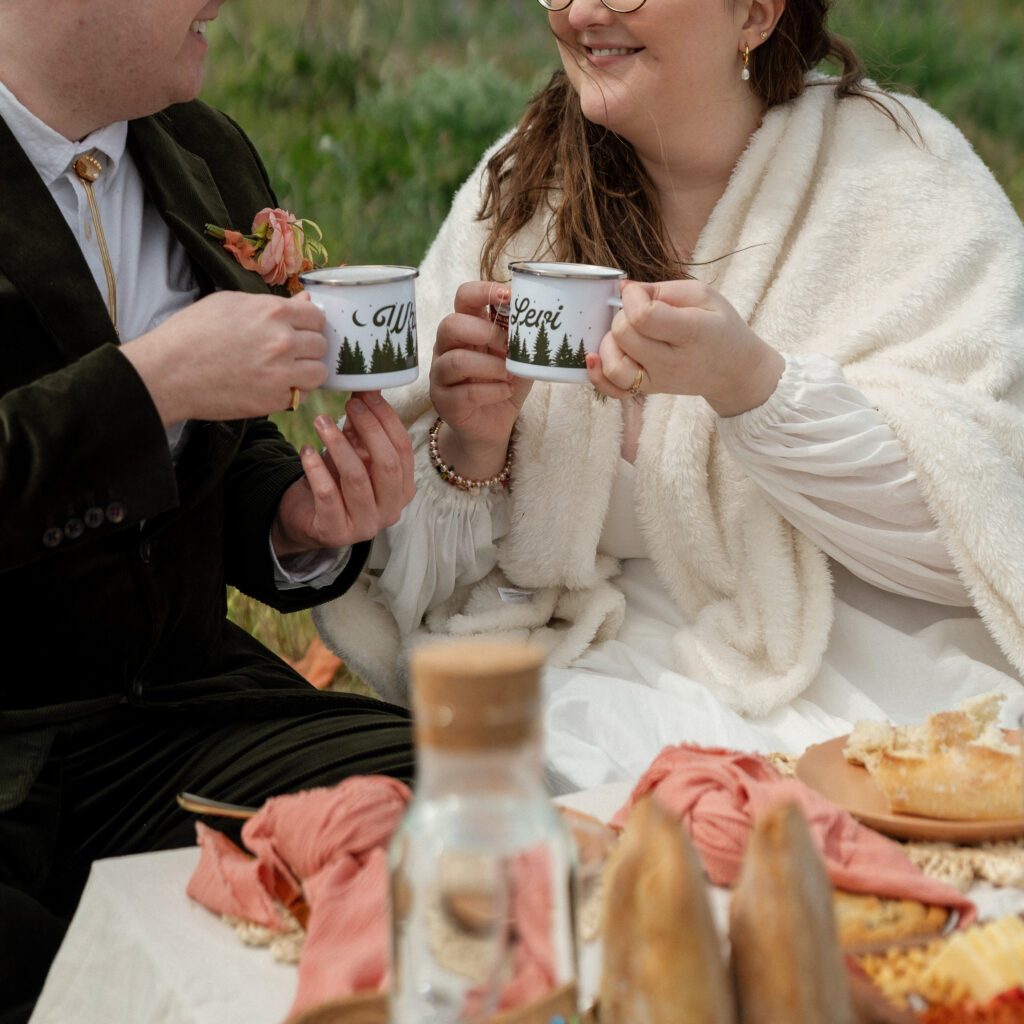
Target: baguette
pixel 785 955
pixel 663 960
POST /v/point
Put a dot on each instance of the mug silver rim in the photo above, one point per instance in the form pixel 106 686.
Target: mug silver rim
pixel 550 268
pixel 322 276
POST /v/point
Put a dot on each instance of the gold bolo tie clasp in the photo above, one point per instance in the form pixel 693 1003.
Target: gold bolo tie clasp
pixel 88 169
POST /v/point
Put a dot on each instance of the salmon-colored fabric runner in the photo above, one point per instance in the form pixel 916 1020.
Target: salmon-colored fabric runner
pixel 719 793
pixel 330 846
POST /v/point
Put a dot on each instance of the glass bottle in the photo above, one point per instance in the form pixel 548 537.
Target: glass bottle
pixel 482 866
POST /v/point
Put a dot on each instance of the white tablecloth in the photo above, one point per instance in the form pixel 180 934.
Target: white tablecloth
pixel 139 951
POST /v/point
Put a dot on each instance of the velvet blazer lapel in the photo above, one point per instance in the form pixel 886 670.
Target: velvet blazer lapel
pixel 181 185
pixel 41 258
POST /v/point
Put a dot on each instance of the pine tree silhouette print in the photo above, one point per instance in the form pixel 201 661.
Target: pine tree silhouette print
pixel 350 359
pixel 542 348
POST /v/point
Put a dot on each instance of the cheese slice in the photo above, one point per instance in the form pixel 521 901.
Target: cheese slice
pixel 987 959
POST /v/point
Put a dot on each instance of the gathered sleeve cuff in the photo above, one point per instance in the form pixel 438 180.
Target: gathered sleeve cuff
pixel 828 462
pixel 445 539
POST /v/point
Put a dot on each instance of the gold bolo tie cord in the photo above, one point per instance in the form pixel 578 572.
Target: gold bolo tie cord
pixel 88 169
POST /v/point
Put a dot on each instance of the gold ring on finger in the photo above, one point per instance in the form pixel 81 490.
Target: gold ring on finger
pixel 638 383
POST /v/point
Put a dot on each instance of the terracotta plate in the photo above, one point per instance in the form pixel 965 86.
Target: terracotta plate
pixel 823 767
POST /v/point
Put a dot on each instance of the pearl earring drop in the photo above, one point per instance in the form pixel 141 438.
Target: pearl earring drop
pixel 745 73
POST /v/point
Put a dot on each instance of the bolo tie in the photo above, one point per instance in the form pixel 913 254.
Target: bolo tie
pixel 88 169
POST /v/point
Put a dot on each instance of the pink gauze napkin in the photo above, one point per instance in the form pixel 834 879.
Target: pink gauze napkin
pixel 718 794
pixel 330 846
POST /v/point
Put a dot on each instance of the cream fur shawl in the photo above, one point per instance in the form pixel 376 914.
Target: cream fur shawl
pixel 897 255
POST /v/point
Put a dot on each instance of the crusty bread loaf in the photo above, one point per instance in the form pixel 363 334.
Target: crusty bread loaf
pixel 963 783
pixel 956 765
pixel 786 961
pixel 663 960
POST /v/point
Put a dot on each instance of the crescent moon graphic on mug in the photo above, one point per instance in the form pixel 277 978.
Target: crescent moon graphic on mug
pixel 356 320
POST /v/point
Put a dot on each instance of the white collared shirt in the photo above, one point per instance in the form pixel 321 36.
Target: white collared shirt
pixel 153 275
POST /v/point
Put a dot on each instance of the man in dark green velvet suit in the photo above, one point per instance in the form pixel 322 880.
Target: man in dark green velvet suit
pixel 139 474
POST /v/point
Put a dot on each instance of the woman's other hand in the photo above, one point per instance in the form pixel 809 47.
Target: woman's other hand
pixel 356 487
pixel 472 391
pixel 688 340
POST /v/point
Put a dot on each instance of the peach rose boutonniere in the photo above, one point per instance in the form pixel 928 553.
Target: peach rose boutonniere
pixel 279 247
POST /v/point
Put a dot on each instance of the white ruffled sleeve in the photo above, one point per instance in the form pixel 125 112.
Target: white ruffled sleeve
pixel 829 463
pixel 445 539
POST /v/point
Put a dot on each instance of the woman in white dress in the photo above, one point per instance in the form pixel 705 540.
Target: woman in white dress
pixel 793 495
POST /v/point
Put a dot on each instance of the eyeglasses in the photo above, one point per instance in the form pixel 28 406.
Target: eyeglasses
pixel 622 7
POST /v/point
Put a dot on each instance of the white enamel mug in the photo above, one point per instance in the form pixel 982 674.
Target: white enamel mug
pixel 371 325
pixel 558 313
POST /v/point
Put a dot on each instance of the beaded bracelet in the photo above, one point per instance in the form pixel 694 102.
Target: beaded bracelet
pixel 450 476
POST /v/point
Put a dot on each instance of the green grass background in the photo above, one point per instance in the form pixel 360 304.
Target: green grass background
pixel 369 116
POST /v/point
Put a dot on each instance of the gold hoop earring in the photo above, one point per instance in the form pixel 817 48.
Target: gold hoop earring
pixel 745 73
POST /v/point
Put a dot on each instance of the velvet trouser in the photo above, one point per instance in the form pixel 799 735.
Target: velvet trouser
pixel 108 786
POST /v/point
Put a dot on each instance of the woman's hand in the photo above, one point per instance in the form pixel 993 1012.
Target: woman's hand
pixel 688 340
pixel 478 399
pixel 355 488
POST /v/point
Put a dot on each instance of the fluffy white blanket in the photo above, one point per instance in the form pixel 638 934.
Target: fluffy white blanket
pixel 897 254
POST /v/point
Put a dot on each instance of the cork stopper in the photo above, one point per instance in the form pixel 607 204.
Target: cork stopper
pixel 475 693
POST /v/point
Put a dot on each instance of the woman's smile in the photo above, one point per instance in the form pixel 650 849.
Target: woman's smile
pixel 596 53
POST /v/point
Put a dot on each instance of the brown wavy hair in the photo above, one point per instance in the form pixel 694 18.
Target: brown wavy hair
pixel 604 206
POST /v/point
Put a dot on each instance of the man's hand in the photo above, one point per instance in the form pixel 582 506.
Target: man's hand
pixel 231 356
pixel 357 487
